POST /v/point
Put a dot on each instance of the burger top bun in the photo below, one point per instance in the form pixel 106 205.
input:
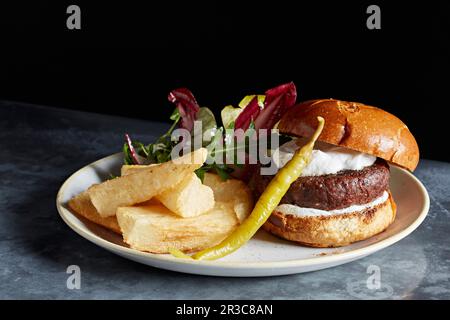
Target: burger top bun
pixel 355 126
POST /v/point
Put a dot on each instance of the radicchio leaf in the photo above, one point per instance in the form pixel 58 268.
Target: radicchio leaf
pixel 187 106
pixel 250 113
pixel 276 103
pixel 278 100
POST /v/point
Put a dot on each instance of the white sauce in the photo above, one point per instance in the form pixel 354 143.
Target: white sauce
pixel 326 158
pixel 290 209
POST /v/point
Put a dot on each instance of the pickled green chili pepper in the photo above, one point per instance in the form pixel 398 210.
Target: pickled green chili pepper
pixel 267 202
pixel 179 254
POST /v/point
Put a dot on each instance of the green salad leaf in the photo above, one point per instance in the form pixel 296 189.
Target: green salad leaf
pixel 220 141
pixel 229 115
pixel 209 126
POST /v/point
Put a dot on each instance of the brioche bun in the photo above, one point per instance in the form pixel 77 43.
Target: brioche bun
pixel 355 126
pixel 332 230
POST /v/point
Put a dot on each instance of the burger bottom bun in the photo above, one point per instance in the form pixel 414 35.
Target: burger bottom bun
pixel 333 230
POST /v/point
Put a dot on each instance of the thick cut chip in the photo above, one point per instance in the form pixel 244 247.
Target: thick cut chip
pixel 130 168
pixel 82 205
pixel 189 198
pixel 231 191
pixel 156 229
pixel 144 184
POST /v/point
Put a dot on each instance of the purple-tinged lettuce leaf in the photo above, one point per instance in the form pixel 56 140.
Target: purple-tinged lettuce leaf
pixel 266 110
pixel 249 114
pixel 187 106
pixel 229 114
pixel 278 101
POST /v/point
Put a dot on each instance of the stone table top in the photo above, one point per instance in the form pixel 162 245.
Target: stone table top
pixel 42 146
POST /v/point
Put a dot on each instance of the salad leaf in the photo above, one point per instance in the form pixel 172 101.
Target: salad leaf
pixel 222 170
pixel 200 172
pixel 246 100
pixel 214 142
pixel 249 114
pixel 206 116
pixel 136 152
pixel 160 151
pixel 187 106
pixel 254 112
pixel 277 101
pixel 229 115
pixel 175 116
pixel 126 154
pixel 203 137
pixel 130 152
pixel 140 152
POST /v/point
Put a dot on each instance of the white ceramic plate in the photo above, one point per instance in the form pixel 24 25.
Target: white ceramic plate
pixel 264 255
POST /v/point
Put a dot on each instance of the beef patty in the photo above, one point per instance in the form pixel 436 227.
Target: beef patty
pixel 333 191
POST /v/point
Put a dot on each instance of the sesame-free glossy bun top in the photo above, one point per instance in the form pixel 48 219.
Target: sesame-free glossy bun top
pixel 355 126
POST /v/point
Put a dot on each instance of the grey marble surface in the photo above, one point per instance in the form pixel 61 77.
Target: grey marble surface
pixel 41 147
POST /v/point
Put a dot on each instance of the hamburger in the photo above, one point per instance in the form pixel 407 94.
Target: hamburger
pixel 343 194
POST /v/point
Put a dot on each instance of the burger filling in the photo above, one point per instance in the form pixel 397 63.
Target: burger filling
pixel 300 211
pixel 326 158
pixel 336 181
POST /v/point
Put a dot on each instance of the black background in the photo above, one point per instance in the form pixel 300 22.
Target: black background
pixel 128 56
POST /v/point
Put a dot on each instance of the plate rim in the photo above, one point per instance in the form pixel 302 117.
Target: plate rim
pixel 319 260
